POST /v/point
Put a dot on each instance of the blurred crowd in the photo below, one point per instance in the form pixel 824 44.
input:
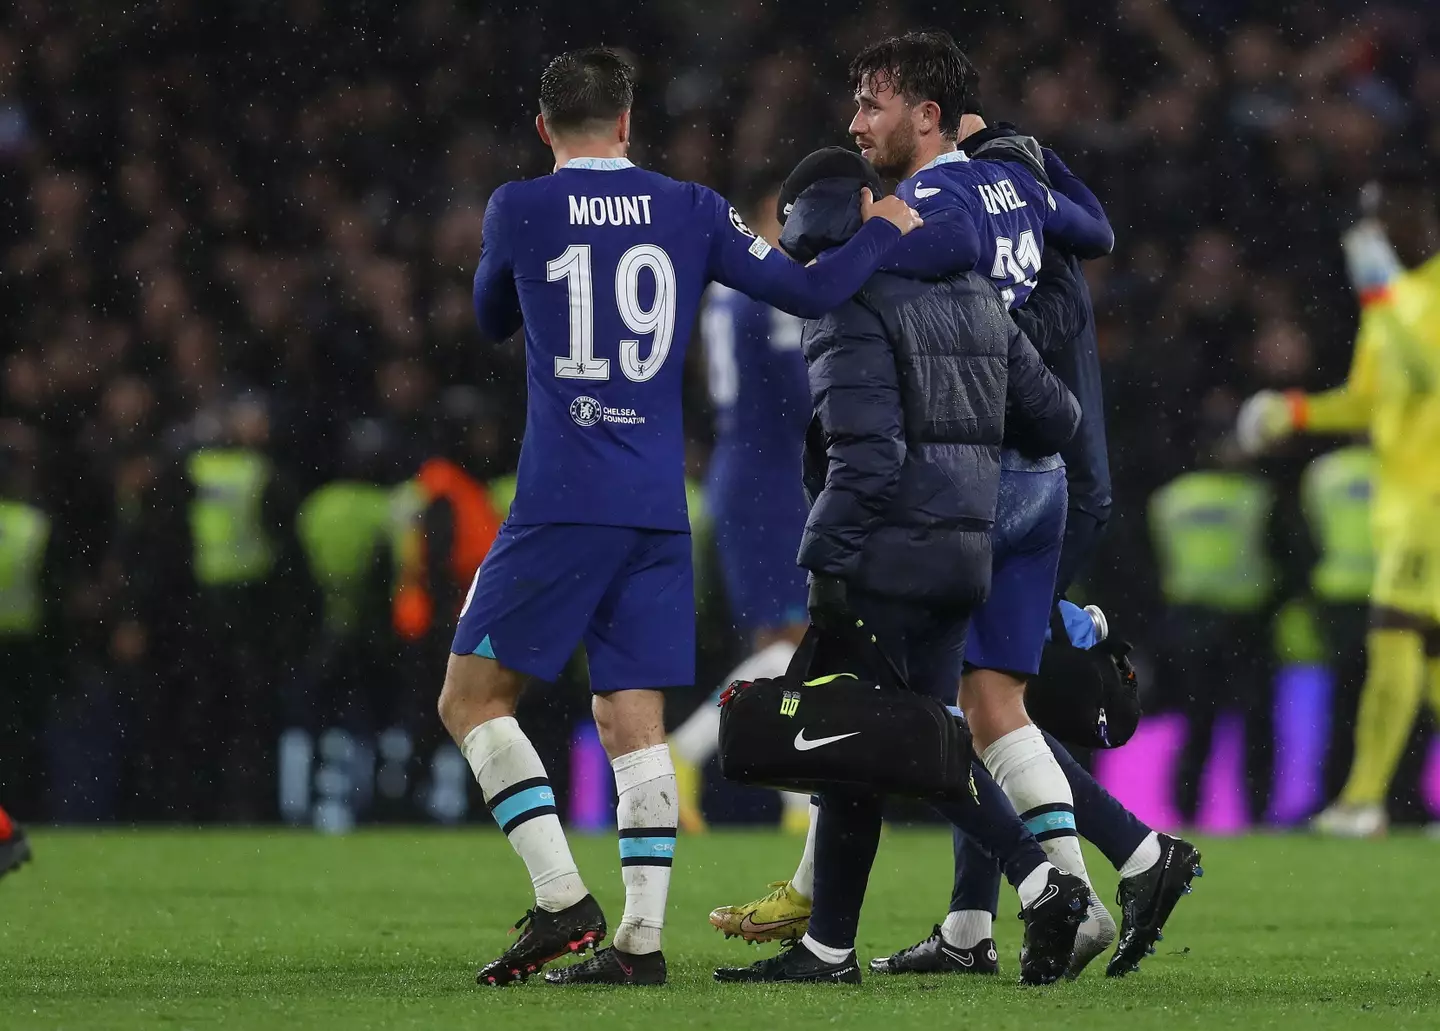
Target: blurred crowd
pixel 254 225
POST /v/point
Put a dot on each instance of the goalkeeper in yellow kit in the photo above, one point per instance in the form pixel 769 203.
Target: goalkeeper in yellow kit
pixel 1393 392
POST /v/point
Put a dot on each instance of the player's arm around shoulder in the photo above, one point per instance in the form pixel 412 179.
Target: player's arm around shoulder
pixel 948 243
pixel 739 259
pixel 1075 217
pixel 932 194
pixel 943 197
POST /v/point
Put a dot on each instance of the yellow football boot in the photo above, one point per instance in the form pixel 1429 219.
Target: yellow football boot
pixel 782 915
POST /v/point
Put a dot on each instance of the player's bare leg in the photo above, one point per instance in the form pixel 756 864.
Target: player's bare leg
pixel 629 720
pixel 1016 754
pixel 632 730
pixel 477 706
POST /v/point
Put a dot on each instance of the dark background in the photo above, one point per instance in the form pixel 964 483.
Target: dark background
pixel 283 202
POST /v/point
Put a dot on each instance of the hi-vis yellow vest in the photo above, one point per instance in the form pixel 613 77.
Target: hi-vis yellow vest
pixel 1336 491
pixel 24 534
pixel 231 545
pixel 1209 531
pixel 341 527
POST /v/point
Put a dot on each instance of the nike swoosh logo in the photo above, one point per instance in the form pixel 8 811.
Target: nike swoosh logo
pixel 801 745
pixel 747 923
pixel 965 959
pixel 1050 892
pixel 922 192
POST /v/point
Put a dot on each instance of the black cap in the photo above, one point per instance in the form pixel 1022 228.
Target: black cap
pixel 826 163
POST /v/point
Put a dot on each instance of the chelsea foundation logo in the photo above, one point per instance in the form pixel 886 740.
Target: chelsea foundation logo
pixel 585 411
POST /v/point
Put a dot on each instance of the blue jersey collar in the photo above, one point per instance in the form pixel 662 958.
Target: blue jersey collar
pixel 599 164
pixel 947 158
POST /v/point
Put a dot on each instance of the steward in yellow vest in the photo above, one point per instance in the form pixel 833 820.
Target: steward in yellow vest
pixel 253 616
pixel 1337 491
pixel 1211 531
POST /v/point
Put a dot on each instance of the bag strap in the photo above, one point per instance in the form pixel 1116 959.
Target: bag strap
pixel 885 668
pixel 858 636
pixel 804 656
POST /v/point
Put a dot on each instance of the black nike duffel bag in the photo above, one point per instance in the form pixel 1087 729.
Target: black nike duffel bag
pixel 854 727
pixel 1087 697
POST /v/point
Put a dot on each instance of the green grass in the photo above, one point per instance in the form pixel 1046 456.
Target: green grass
pixel 190 929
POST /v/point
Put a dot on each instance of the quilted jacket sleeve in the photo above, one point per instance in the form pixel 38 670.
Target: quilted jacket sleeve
pixel 856 390
pixel 1041 414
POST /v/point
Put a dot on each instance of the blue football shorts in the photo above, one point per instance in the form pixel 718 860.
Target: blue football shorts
pixel 627 594
pixel 1008 631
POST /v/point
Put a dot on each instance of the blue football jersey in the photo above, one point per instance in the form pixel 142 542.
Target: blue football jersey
pixel 604 264
pixel 758 385
pixel 1011 212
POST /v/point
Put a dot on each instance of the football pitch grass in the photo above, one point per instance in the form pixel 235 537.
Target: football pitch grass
pixel 384 929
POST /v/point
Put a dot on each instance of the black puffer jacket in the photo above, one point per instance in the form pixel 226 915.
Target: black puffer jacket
pixel 902 458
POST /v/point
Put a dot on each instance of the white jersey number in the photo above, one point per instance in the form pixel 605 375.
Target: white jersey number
pixel 1016 263
pixel 657 321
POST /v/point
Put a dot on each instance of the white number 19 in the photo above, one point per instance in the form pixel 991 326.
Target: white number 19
pixel 657 321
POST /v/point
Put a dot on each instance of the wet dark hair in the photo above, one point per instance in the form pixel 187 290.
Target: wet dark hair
pixel 922 66
pixel 583 86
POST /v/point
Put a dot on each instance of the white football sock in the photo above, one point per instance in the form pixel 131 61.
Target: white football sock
pixel 804 879
pixel 1034 883
pixel 1025 768
pixel 696 740
pixel 647 813
pixel 825 952
pixel 512 779
pixel 1146 855
pixel 967 928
